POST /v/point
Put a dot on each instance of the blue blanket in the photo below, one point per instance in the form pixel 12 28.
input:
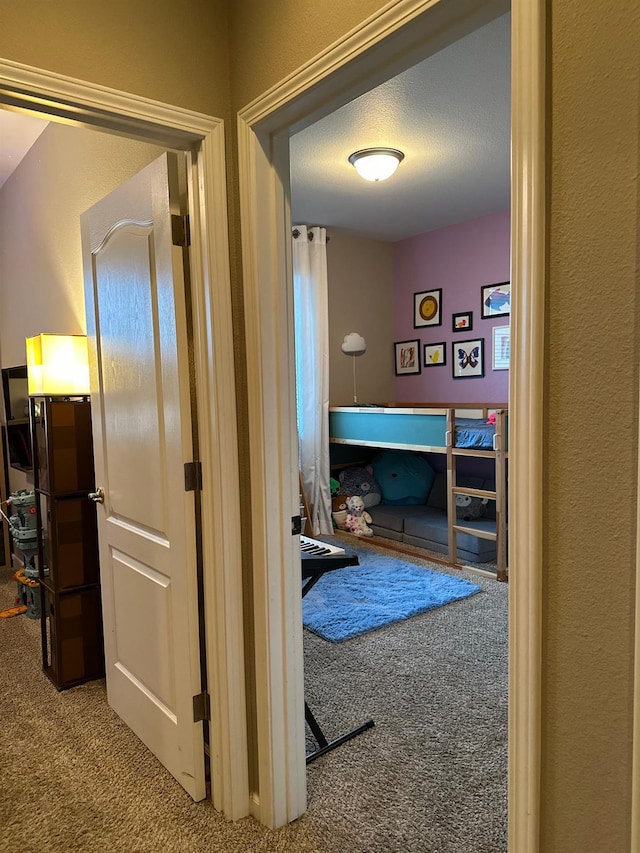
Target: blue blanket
pixel 474 432
pixel 380 591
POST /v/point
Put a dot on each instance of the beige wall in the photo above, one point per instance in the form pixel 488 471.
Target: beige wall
pixel 592 356
pixel 360 274
pixel 268 41
pixel 174 51
pixel 590 483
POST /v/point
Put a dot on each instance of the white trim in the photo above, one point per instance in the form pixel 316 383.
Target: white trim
pixel 76 102
pixel 281 794
pixel 526 407
pixel 391 41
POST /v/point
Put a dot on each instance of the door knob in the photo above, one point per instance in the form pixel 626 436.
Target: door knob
pixel 97 496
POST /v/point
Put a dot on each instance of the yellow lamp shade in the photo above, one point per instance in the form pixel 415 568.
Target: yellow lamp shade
pixel 58 365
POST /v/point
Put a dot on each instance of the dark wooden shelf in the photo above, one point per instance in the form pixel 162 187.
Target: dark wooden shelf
pixel 72 635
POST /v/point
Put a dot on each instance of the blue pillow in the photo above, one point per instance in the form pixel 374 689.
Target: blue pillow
pixel 404 477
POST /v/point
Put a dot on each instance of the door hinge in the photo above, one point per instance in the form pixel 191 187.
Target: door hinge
pixel 296 525
pixel 201 707
pixel 180 233
pixel 193 477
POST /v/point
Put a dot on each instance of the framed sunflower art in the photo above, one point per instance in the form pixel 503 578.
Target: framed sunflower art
pixel 427 308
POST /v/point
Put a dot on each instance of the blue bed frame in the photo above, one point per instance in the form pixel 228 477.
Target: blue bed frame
pixel 408 428
pixel 429 429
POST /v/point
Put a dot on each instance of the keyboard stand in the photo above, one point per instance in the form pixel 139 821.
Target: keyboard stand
pixel 324 745
pixel 312 571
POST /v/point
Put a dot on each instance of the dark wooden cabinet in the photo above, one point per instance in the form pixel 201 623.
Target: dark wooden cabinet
pixel 72 637
pixel 16 429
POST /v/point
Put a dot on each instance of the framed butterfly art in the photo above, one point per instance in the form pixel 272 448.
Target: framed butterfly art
pixel 468 358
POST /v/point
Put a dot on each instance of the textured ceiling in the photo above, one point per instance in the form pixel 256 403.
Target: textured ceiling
pixel 18 132
pixel 450 115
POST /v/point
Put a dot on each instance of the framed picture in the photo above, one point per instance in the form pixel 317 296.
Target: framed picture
pixel 427 308
pixel 496 300
pixel 501 347
pixel 468 358
pixel 435 355
pixel 407 357
pixel 462 322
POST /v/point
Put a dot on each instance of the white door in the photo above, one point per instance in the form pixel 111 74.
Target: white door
pixel 141 406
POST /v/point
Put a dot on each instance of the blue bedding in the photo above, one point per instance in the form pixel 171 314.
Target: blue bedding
pixel 474 433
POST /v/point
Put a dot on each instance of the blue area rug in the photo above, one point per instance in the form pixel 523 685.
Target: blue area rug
pixel 380 591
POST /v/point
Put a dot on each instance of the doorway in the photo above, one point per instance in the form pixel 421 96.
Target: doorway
pixel 202 138
pixel 408 235
pixel 378 51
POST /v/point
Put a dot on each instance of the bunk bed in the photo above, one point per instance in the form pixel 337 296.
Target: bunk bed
pixel 454 430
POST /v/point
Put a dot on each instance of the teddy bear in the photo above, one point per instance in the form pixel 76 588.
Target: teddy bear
pixel 358 519
pixel 360 481
pixel 470 508
pixel 339 511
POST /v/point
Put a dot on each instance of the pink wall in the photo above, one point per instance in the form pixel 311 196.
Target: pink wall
pixel 459 259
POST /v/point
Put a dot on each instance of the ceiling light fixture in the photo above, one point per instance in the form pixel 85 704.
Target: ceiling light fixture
pixel 376 164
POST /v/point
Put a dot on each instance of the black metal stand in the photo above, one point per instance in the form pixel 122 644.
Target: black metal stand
pixel 312 571
pixel 324 745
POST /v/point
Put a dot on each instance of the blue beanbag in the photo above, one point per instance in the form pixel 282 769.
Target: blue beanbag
pixel 404 477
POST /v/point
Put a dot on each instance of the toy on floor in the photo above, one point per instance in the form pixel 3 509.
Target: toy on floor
pixel 470 508
pixel 358 519
pixel 360 481
pixel 29 594
pixel 18 610
pixel 339 511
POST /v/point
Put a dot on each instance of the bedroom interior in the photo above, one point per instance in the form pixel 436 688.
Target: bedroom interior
pixel 376 272
pixel 435 235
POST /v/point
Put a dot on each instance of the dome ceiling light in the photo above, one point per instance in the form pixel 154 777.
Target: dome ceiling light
pixel 376 164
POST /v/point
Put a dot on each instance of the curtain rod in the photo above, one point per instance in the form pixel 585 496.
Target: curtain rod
pixel 296 233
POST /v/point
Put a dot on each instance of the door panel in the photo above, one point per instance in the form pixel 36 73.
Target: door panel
pixel 132 377
pixel 141 406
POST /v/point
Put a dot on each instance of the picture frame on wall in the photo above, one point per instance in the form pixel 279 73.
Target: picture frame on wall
pixel 495 300
pixel 462 322
pixel 468 358
pixel 435 355
pixel 427 308
pixel 407 357
pixel 501 347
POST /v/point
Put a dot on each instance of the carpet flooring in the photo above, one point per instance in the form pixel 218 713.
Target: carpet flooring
pixel 429 778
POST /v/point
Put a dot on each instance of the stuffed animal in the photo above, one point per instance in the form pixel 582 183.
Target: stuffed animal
pixel 334 485
pixel 470 508
pixel 358 519
pixel 339 511
pixel 360 481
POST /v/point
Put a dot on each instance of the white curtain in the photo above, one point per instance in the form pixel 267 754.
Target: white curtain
pixel 312 370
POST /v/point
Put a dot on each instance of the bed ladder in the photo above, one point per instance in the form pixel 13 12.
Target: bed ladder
pixel 499 495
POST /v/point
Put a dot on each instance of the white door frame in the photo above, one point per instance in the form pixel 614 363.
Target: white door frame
pixel 75 102
pixel 402 34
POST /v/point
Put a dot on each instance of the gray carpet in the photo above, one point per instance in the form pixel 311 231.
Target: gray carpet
pixel 429 778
